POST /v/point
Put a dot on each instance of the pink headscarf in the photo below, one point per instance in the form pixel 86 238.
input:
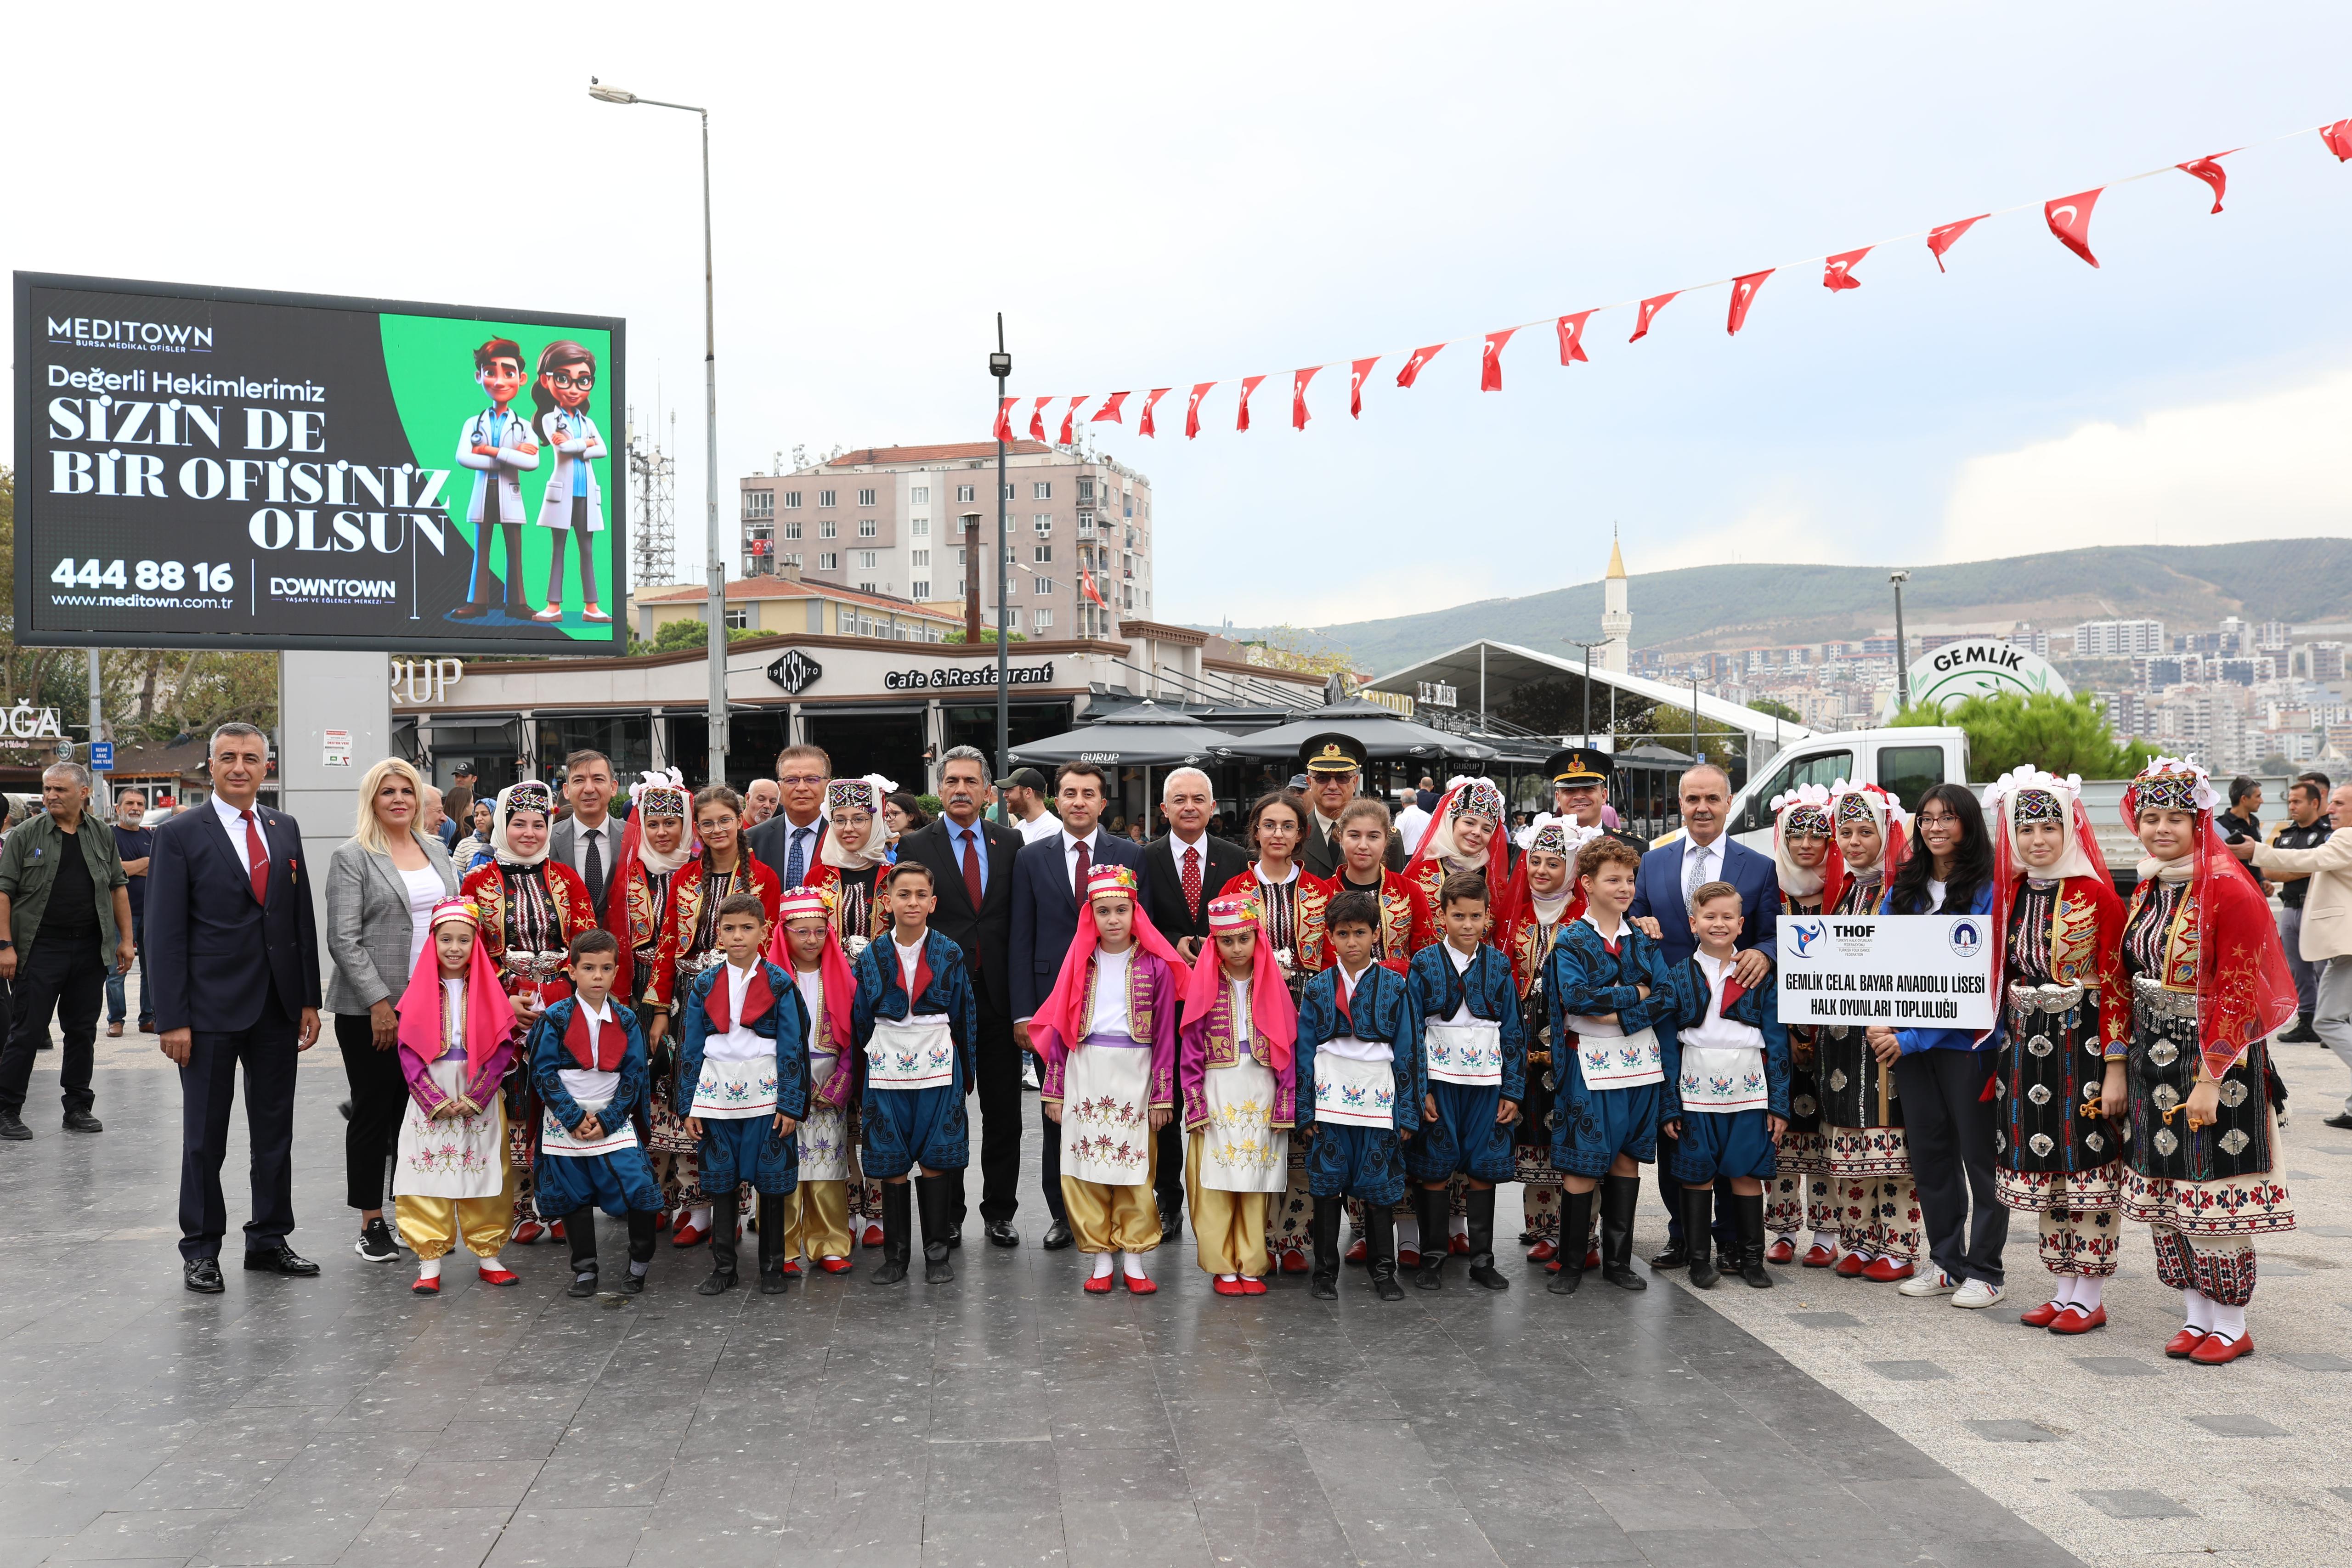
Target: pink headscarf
pixel 1061 1022
pixel 1273 1019
pixel 490 1019
pixel 833 964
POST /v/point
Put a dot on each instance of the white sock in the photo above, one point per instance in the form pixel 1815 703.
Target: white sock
pixel 1408 1233
pixel 2198 1311
pixel 1104 1263
pixel 2230 1322
pixel 429 1268
pixel 1788 1237
pixel 2088 1291
pixel 700 1217
pixel 1227 1279
pixel 1459 1226
pixel 488 1265
pixel 1134 1261
pixel 1826 1240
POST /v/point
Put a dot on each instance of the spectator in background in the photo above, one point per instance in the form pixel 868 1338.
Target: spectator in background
pixel 131 842
pixel 2306 828
pixel 760 800
pixel 457 800
pixel 474 848
pixel 2243 819
pixel 1411 818
pixel 2326 939
pixel 65 906
pixel 904 813
pixel 433 819
pixel 1135 832
pixel 1024 791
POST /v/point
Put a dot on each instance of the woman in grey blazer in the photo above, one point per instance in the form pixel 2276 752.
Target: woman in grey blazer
pixel 382 886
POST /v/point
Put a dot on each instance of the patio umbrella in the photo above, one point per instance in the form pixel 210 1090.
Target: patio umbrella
pixel 1143 736
pixel 1385 736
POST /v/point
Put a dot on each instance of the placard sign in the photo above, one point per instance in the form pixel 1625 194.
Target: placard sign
pixel 1906 971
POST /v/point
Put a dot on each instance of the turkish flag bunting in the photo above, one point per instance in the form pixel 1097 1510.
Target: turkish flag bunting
pixel 1650 307
pixel 1004 418
pixel 2210 169
pixel 1743 295
pixel 1037 418
pixel 1086 582
pixel 1839 272
pixel 1572 338
pixel 2070 220
pixel 1357 371
pixel 1298 380
pixel 1944 236
pixel 1143 421
pixel 2339 137
pixel 1249 385
pixel 1421 357
pixel 1109 409
pixel 1070 413
pixel 1490 364
pixel 1193 410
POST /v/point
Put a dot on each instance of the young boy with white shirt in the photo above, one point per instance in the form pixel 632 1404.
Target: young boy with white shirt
pixel 743 1084
pixel 588 1064
pixel 1733 1087
pixel 1463 993
pixel 805 944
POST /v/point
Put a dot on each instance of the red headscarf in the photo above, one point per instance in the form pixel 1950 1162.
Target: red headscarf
pixel 831 965
pixel 489 1012
pixel 1273 1019
pixel 1480 797
pixel 1061 1021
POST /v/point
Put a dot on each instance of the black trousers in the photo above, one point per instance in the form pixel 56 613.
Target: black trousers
pixel 1950 1126
pixel 379 1101
pixel 64 977
pixel 267 1051
pixel 998 1067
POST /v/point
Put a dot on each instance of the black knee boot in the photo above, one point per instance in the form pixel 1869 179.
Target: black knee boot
pixel 580 1230
pixel 724 1222
pixel 1483 1272
pixel 1619 1195
pixel 1575 1220
pixel 1429 1207
pixel 1749 1213
pixel 771 1242
pixel 641 1249
pixel 1380 1249
pixel 1698 1234
pixel 937 1197
pixel 1323 1228
pixel 897 1221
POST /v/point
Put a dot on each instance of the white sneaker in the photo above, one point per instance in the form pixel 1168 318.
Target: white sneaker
pixel 1934 1282
pixel 1976 1293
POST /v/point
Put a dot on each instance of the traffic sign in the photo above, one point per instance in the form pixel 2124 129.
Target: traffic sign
pixel 101 756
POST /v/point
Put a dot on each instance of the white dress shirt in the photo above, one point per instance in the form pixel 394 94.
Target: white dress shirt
pixel 1348 1045
pixel 603 831
pixel 739 1043
pixel 233 820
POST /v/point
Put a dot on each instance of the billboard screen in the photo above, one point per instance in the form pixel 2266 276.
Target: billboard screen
pixel 219 467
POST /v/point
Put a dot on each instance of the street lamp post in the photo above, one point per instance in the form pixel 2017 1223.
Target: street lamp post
pixel 1902 648
pixel 999 365
pixel 715 605
pixel 1587 682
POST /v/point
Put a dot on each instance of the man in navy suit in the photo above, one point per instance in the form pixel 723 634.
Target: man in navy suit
pixel 1046 881
pixel 1662 891
pixel 233 954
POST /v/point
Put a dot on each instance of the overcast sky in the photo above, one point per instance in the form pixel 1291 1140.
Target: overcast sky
pixel 1163 197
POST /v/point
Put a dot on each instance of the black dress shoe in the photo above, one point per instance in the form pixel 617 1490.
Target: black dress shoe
pixel 1002 1234
pixel 1676 1256
pixel 1059 1237
pixel 280 1259
pixel 13 1128
pixel 955 1239
pixel 1171 1225
pixel 202 1275
pixel 2341 1119
pixel 83 1121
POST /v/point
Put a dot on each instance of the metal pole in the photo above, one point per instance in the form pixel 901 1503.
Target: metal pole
pixel 1003 365
pixel 1902 647
pixel 1484 727
pixel 1696 757
pixel 97 718
pixel 1588 647
pixel 715 605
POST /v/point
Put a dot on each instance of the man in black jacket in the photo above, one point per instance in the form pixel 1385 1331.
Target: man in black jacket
pixel 971 860
pixel 1184 868
pixel 1334 765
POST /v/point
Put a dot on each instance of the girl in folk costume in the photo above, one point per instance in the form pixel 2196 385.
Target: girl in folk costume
pixel 1544 898
pixel 1235 1067
pixel 2208 985
pixel 1107 1034
pixel 806 946
pixel 724 866
pixel 1805 853
pixel 587 1061
pixel 2058 1080
pixel 1290 906
pixel 1872 1195
pixel 637 912
pixel 458 1036
pixel 532 909
pixel 860 843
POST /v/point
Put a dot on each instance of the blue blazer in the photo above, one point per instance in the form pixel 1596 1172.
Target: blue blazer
pixel 1046 911
pixel 211 952
pixel 1658 893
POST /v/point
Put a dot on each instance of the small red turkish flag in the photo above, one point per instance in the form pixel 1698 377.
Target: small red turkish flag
pixel 1143 421
pixel 1357 370
pixel 1421 357
pixel 2210 169
pixel 1109 409
pixel 1037 418
pixel 1838 274
pixel 1572 338
pixel 1193 410
pixel 1249 385
pixel 1743 295
pixel 2339 137
pixel 1650 309
pixel 1298 380
pixel 1071 413
pixel 2070 220
pixel 1490 364
pixel 1944 236
pixel 1004 418
pixel 1087 585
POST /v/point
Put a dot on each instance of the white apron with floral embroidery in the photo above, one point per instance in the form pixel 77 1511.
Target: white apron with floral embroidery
pixel 825 1133
pixel 459 1156
pixel 1107 1113
pixel 1352 1093
pixel 1467 1053
pixel 1241 1148
pixel 916 1052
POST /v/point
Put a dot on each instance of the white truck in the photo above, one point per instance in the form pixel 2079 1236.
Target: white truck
pixel 1905 763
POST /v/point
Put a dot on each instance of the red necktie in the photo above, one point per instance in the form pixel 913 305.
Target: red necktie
pixel 1192 880
pixel 970 872
pixel 257 859
pixel 1086 863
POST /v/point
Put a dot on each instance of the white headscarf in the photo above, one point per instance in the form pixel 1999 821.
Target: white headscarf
pixel 535 796
pixel 1561 836
pixel 662 794
pixel 865 794
pixel 2023 788
pixel 1800 881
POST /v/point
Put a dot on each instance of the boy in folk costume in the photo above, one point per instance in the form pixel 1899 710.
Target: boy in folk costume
pixel 1607 987
pixel 1872 1195
pixel 805 945
pixel 588 1064
pixel 1362 1080
pixel 2060 1073
pixel 458 1035
pixel 1804 852
pixel 1544 900
pixel 743 1081
pixel 1462 991
pixel 1733 1085
pixel 1107 1034
pixel 915 1018
pixel 1237 1071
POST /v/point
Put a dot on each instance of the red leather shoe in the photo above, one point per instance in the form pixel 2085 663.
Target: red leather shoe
pixel 873 1236
pixel 1543 1251
pixel 2217 1351
pixel 1819 1257
pixel 2074 1319
pixel 835 1265
pixel 1408 1257
pixel 2042 1316
pixel 1253 1286
pixel 688 1233
pixel 1552 1267
pixel 1228 1287
pixel 1136 1287
pixel 1355 1250
pixel 661 1221
pixel 1457 1246
pixel 1294 1261
pixel 1781 1250
pixel 1592 1258
pixel 1886 1271
pixel 2183 1345
pixel 555 1231
pixel 427 1287
pixel 1098 1284
pixel 498 1277
pixel 792 1267
pixel 528 1232
pixel 1849 1265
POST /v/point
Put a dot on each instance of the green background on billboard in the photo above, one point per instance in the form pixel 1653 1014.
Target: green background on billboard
pixel 429 361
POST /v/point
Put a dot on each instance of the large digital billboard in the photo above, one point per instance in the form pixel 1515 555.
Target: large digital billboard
pixel 208 467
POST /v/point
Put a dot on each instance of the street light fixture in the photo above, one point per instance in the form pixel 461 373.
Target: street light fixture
pixel 1587 682
pixel 999 365
pixel 715 604
pixel 1902 648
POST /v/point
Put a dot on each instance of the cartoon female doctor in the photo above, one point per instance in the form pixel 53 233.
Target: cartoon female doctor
pixel 567 373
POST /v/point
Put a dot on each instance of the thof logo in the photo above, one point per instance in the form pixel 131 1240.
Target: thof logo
pixel 1805 932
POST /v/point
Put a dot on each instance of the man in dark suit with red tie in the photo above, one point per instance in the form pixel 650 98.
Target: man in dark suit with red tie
pixel 233 956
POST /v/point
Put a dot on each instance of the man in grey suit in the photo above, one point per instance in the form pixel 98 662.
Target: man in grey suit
pixel 589 839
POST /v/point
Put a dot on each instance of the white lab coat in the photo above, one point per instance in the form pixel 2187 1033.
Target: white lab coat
pixel 504 471
pixel 575 440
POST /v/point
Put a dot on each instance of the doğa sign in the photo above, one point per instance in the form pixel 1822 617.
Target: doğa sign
pixel 956 677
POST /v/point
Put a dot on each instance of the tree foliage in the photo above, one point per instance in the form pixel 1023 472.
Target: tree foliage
pixel 1287 647
pixel 2060 735
pixel 679 636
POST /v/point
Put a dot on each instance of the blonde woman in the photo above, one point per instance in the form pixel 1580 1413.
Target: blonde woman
pixel 382 886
